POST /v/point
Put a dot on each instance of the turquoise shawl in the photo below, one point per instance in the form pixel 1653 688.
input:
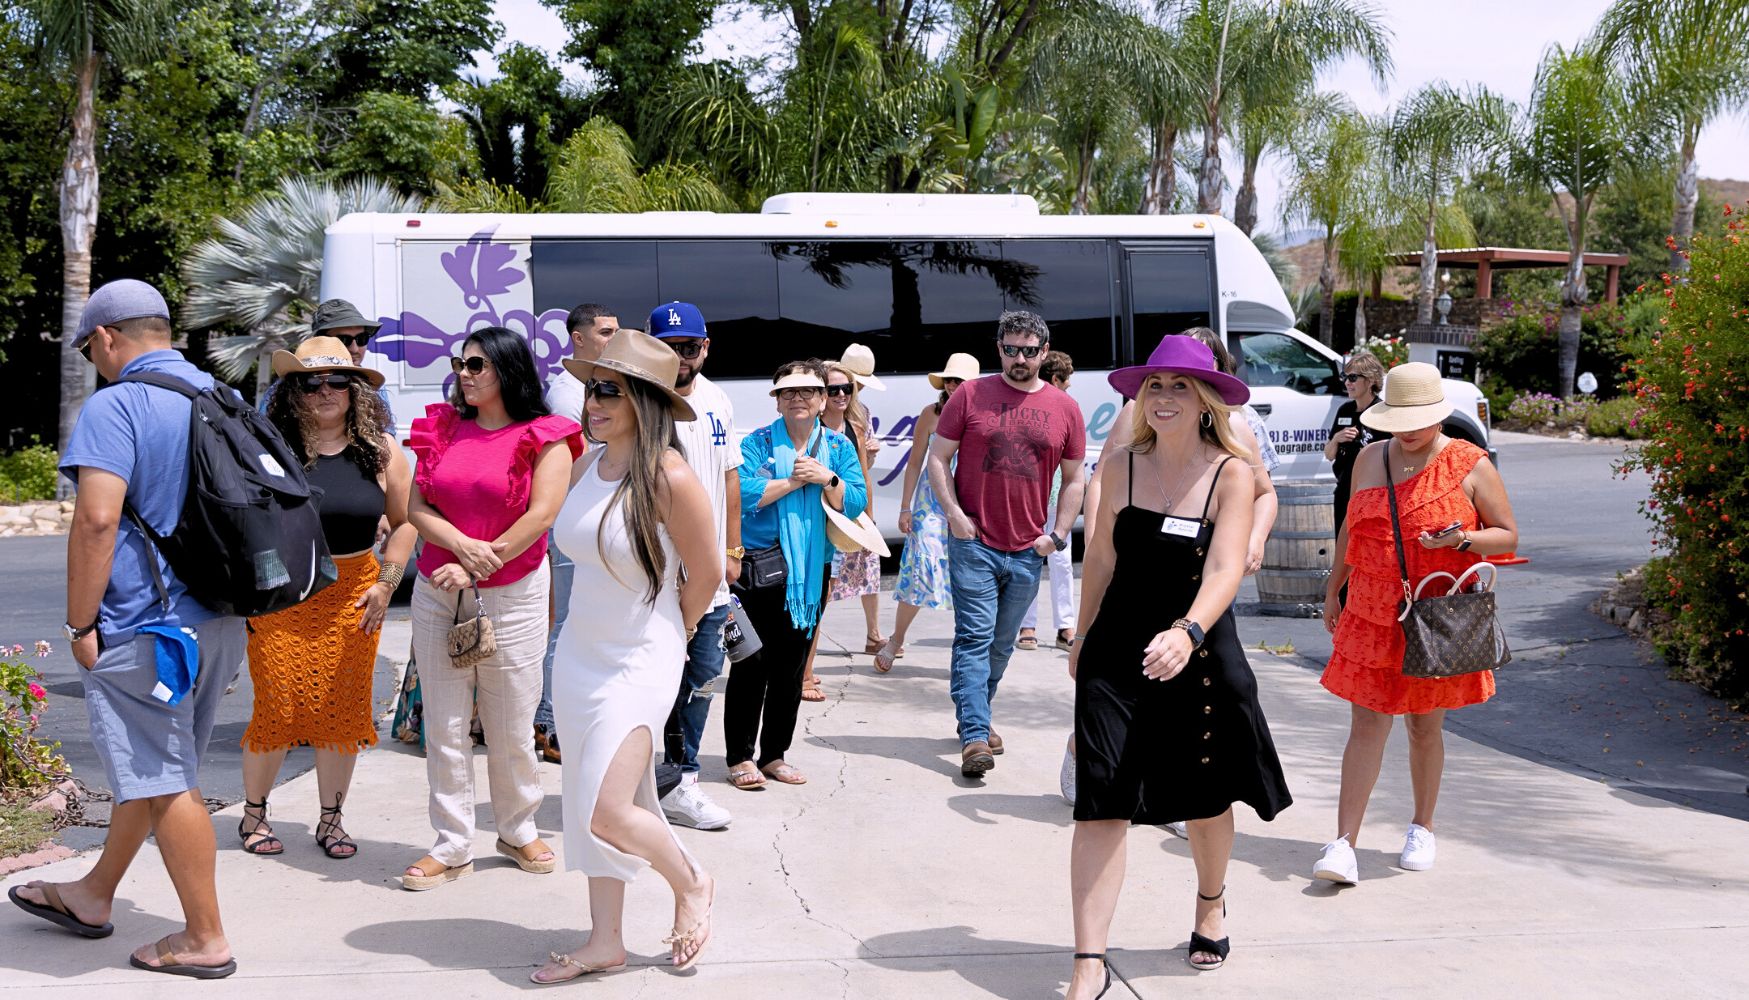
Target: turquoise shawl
pixel 801 532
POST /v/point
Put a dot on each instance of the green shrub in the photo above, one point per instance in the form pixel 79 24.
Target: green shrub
pixel 28 474
pixel 1693 383
pixel 1525 350
pixel 1615 418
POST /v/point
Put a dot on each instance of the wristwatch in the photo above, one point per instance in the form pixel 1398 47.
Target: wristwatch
pixel 736 552
pixel 1193 630
pixel 832 482
pixel 1464 546
pixel 74 633
pixel 1060 542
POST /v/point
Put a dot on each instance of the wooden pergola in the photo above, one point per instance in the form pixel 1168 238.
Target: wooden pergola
pixel 1486 260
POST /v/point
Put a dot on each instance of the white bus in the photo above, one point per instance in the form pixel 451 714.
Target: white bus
pixel 914 277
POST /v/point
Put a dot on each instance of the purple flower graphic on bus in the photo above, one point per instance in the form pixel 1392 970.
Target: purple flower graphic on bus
pixel 480 272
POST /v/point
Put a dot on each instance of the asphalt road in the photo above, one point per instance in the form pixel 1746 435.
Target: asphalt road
pixel 1580 694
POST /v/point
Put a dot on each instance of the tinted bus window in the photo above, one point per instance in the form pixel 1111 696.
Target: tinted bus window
pixel 733 283
pixel 1171 289
pixel 1069 283
pixel 619 274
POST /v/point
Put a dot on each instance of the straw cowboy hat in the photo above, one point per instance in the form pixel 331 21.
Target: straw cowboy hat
pixel 858 361
pixel 1181 355
pixel 322 354
pixel 1414 398
pixel 848 535
pixel 643 357
pixel 961 366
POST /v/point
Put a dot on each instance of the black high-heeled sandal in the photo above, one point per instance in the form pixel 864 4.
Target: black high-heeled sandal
pixel 1103 964
pixel 335 838
pixel 1198 943
pixel 269 844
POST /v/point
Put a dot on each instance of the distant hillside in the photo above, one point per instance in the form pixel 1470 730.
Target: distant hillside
pixel 1728 192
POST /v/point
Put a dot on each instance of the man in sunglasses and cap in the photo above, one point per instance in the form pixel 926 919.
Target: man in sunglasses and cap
pixel 341 320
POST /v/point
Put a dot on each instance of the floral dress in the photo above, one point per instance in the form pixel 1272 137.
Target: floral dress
pixel 923 573
pixel 855 574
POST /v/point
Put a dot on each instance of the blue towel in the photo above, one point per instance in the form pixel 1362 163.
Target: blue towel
pixel 178 661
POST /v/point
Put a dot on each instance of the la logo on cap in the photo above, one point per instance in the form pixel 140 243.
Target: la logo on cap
pixel 673 318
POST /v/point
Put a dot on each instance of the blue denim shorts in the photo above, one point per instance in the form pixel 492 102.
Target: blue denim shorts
pixel 149 748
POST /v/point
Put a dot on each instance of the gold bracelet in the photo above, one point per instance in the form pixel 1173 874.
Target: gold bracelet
pixel 390 573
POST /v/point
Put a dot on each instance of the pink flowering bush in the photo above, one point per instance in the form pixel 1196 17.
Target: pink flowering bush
pixel 26 764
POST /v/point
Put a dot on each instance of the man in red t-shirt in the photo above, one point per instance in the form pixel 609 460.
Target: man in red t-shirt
pixel 1012 431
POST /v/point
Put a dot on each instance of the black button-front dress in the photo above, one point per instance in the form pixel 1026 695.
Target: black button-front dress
pixel 1155 752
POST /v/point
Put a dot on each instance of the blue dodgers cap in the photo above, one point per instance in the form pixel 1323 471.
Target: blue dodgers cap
pixel 117 301
pixel 677 319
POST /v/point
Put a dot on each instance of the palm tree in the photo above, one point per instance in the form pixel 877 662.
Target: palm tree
pixel 595 171
pixel 1685 58
pixel 1333 166
pixel 1580 133
pixel 262 271
pixel 1436 134
pixel 83 35
pixel 1084 84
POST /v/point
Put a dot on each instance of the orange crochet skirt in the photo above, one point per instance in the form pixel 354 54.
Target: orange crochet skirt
pixel 312 668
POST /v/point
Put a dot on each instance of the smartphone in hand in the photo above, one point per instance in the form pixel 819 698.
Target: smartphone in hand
pixel 1448 529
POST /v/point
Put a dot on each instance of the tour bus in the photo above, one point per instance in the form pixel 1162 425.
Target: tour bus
pixel 913 277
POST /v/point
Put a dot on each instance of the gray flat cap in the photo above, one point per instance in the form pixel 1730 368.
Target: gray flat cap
pixel 120 300
pixel 336 314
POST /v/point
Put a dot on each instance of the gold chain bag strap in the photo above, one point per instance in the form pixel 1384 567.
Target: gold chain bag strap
pixel 1449 634
pixel 473 640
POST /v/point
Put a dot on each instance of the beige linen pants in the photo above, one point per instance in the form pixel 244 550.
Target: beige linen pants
pixel 506 687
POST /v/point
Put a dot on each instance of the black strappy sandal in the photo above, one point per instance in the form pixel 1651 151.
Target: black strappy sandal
pixel 1102 964
pixel 269 844
pixel 1198 943
pixel 335 837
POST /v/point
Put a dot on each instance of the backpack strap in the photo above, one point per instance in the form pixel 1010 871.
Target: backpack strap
pixel 162 381
pixel 175 385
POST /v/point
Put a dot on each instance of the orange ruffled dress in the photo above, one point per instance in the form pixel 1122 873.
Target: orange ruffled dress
pixel 1367 665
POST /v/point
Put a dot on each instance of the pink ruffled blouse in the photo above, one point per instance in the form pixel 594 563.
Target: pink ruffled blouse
pixel 462 472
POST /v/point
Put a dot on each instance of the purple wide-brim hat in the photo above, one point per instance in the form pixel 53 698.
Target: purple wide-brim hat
pixel 1183 356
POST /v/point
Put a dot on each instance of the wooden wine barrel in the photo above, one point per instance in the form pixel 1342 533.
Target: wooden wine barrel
pixel 1300 551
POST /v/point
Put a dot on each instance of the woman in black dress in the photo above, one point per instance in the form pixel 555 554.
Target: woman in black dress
pixel 1167 724
pixel 1363 377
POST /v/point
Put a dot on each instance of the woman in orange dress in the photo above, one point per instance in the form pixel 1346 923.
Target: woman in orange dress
pixel 1439 482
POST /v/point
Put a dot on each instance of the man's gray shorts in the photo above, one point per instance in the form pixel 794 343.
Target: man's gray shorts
pixel 150 748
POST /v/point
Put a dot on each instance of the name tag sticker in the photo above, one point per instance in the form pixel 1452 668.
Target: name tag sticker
pixel 1183 527
pixel 1344 421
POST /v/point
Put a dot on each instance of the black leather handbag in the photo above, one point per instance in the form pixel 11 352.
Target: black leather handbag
pixel 1449 634
pixel 761 568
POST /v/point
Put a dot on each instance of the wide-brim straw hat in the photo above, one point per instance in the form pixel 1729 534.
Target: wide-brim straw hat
pixel 961 366
pixel 853 534
pixel 858 361
pixel 1181 355
pixel 322 354
pixel 798 380
pixel 638 355
pixel 1414 398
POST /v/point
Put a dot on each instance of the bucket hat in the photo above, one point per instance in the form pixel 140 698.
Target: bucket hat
pixel 961 366
pixel 1182 356
pixel 338 314
pixel 322 354
pixel 638 355
pixel 1414 398
pixel 859 361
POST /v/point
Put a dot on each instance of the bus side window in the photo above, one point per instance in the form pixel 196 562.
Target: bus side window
pixel 734 284
pixel 1171 290
pixel 1069 283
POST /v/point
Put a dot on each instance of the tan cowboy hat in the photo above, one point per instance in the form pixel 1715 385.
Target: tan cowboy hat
pixel 1414 398
pixel 322 354
pixel 858 361
pixel 961 366
pixel 847 535
pixel 797 380
pixel 643 357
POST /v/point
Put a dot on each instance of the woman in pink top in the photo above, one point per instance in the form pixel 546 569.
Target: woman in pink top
pixel 493 466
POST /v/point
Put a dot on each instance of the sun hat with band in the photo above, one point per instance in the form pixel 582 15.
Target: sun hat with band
pixel 638 355
pixel 322 354
pixel 1181 355
pixel 798 380
pixel 1414 398
pixel 858 362
pixel 961 366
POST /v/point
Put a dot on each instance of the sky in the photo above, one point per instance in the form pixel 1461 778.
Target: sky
pixel 1492 42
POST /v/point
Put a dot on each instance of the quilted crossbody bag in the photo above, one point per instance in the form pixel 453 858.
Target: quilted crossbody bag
pixel 473 640
pixel 1446 635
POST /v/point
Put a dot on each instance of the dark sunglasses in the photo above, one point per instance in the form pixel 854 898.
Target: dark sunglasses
pixel 602 389
pixel 1011 351
pixel 351 339
pixel 840 390
pixel 474 365
pixel 804 392
pixel 85 350
pixel 688 350
pixel 333 380
pixel 1352 377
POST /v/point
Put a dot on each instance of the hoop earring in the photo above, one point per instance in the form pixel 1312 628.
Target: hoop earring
pixel 1208 420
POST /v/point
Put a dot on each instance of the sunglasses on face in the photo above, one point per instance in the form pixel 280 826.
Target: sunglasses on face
pixel 351 339
pixel 1012 351
pixel 474 365
pixel 1352 378
pixel 333 380
pixel 85 349
pixel 792 394
pixel 603 389
pixel 840 390
pixel 952 383
pixel 687 349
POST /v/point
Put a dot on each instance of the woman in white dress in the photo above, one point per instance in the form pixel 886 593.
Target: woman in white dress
pixel 635 516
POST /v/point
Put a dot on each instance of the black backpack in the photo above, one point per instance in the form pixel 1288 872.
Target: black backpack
pixel 249 541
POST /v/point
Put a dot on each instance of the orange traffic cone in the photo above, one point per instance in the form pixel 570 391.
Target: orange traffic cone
pixel 1508 559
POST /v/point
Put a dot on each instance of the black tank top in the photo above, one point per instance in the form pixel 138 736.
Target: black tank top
pixel 352 503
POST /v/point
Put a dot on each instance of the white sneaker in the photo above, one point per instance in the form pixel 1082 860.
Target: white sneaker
pixel 1066 776
pixel 1338 863
pixel 686 804
pixel 1418 849
pixel 1179 830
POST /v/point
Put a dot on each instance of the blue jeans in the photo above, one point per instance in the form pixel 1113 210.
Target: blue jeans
pixel 563 570
pixel 991 591
pixel 704 664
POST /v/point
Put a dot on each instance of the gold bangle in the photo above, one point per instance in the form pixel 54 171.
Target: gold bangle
pixel 390 573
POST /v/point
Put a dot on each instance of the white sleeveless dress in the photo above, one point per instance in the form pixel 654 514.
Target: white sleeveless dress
pixel 617 667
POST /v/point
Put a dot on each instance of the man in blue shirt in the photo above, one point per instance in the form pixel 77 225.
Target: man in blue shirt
pixel 131 446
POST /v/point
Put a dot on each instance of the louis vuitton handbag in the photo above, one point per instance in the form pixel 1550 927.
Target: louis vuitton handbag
pixel 1449 634
pixel 473 640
